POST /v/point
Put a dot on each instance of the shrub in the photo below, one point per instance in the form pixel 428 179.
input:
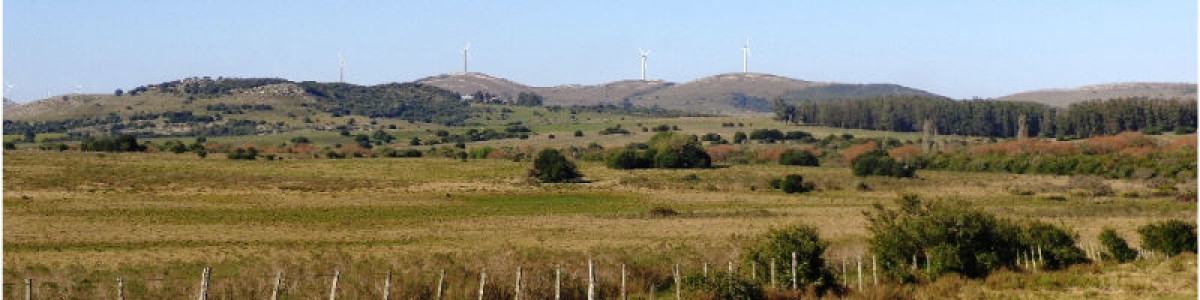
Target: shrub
pixel 578 133
pixel 942 238
pixel 660 211
pixel 626 159
pixel 806 242
pixel 877 163
pixel 794 157
pixel 243 153
pixel 1117 248
pixel 551 166
pixel 721 286
pixel 739 137
pixel 792 183
pixel 1058 245
pixel 122 143
pixel 1170 237
pixel 673 150
pixel 10 146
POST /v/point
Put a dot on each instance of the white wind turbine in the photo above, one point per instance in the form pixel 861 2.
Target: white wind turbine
pixel 466 53
pixel 341 68
pixel 746 55
pixel 644 54
pixel 8 89
pixel 78 89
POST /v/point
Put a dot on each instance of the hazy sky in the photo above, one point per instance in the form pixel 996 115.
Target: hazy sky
pixel 960 49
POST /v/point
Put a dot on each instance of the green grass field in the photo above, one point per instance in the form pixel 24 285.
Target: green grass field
pixel 77 221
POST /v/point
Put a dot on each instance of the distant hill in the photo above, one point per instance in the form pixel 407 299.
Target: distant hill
pixel 1064 97
pixel 725 93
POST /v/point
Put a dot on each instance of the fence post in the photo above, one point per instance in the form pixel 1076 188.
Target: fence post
pixel 441 280
pixel 624 295
pixel 482 282
pixel 591 291
pixel 337 274
pixel 678 289
pixel 706 269
pixel 204 283
pixel 387 286
pixel 28 288
pixel 557 282
pixel 278 281
pixel 874 270
pixel 753 271
pixel 859 258
pixel 771 272
pixel 793 270
pixel 845 277
pixel 518 296
pixel 1041 259
pixel 120 289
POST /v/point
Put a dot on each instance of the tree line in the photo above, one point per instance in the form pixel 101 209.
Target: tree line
pixel 992 118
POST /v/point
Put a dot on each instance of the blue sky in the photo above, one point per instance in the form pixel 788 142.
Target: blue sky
pixel 960 49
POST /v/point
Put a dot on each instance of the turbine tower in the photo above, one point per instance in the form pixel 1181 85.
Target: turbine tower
pixel 746 55
pixel 466 53
pixel 78 89
pixel 341 68
pixel 8 89
pixel 644 54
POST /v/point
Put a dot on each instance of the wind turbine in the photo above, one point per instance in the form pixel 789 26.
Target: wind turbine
pixel 341 68
pixel 8 89
pixel 746 55
pixel 78 89
pixel 644 54
pixel 466 53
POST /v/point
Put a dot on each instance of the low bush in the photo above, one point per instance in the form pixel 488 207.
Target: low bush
pixel 551 166
pixel 1116 246
pixel 940 238
pixel 792 183
pixel 779 244
pixel 877 163
pixel 243 153
pixel 723 286
pixel 1057 244
pixel 1169 237
pixel 794 157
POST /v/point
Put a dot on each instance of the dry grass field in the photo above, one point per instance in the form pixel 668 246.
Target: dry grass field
pixel 77 221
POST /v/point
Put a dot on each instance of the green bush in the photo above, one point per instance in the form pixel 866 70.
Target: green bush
pixel 877 163
pixel 626 159
pixel 721 286
pixel 806 242
pixel 1057 244
pixel 243 154
pixel 792 183
pixel 665 150
pixel 551 166
pixel 122 143
pixel 794 157
pixel 942 237
pixel 1117 248
pixel 1170 237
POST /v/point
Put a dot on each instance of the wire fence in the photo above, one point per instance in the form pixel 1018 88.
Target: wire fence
pixel 855 272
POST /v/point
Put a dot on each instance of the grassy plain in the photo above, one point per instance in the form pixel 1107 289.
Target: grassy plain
pixel 77 221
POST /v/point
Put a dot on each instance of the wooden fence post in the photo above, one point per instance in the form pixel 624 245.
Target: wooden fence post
pixel 337 274
pixel 794 270
pixel 678 289
pixel 204 283
pixel 874 270
pixel 518 295
pixel 1041 259
pixel 275 289
pixel 441 282
pixel 624 295
pixel 557 282
pixel 482 282
pixel 591 290
pixel 771 272
pixel 387 286
pixel 845 278
pixel 753 271
pixel 859 259
pixel 706 269
pixel 28 288
pixel 120 289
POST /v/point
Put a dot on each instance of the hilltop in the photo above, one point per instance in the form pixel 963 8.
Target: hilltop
pixel 725 93
pixel 1064 97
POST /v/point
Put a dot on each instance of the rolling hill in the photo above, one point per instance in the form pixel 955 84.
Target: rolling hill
pixel 735 93
pixel 1064 97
